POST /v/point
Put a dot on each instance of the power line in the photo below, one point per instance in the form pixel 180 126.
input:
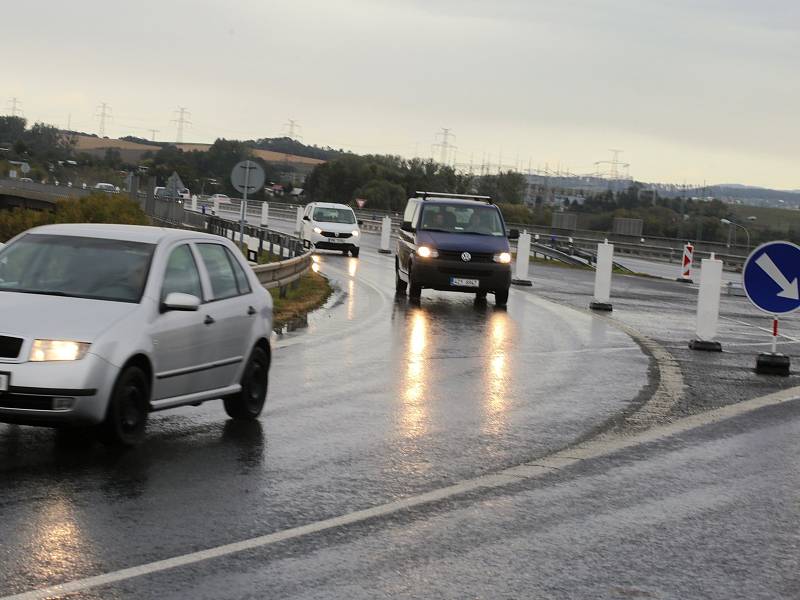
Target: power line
pixel 444 146
pixel 614 166
pixel 104 113
pixel 153 133
pixel 293 127
pixel 13 104
pixel 182 122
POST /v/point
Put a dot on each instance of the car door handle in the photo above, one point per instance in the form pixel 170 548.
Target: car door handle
pixel 251 311
pixel 209 320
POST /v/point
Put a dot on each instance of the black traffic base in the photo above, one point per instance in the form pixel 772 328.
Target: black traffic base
pixel 382 251
pixel 524 282
pixel 684 280
pixel 705 345
pixel 604 306
pixel 772 364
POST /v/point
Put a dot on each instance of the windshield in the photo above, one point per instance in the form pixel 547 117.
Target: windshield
pixel 334 215
pixel 73 266
pixel 479 219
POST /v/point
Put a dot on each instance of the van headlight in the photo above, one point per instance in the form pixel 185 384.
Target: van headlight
pixel 502 258
pixel 52 350
pixel 427 252
pixel 355 233
pixel 317 230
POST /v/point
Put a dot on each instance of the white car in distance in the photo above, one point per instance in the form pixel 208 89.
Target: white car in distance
pixel 329 226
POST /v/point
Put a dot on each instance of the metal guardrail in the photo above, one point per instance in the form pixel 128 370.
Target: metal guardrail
pixel 288 258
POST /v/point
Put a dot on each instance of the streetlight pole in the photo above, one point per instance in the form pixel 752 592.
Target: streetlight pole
pixel 731 225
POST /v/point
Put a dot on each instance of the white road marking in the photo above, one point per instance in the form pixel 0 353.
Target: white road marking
pixel 601 446
pixel 765 329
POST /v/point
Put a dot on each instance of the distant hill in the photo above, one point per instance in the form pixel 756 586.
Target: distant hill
pixel 266 155
pixel 756 195
pixel 286 145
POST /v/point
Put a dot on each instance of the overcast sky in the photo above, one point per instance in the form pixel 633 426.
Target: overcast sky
pixel 690 90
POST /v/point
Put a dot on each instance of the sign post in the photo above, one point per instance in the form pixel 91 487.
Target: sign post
pixel 264 214
pixel 247 177
pixel 686 264
pixel 523 260
pixel 770 278
pixel 708 306
pixel 386 234
pixel 602 277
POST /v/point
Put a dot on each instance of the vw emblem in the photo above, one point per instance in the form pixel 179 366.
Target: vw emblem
pixel 466 256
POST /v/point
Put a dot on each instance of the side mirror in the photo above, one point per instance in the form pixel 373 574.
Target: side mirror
pixel 306 218
pixel 513 234
pixel 178 301
pixel 406 226
pixel 360 222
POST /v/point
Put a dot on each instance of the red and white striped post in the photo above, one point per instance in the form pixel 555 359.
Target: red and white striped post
pixel 686 264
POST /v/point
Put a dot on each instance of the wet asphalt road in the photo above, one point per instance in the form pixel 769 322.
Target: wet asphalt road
pixel 376 400
pixel 710 514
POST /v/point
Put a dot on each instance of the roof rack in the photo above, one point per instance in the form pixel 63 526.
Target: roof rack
pixel 426 195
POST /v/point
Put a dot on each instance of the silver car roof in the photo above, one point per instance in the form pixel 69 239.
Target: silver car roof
pixel 128 233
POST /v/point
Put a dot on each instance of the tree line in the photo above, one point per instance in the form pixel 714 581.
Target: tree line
pixel 386 182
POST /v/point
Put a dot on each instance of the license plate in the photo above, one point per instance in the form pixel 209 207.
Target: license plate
pixel 334 240
pixel 459 282
pixel 4 377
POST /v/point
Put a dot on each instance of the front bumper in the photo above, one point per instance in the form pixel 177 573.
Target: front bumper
pixel 57 393
pixel 436 274
pixel 335 245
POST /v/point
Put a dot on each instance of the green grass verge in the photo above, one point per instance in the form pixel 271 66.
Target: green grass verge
pixel 311 293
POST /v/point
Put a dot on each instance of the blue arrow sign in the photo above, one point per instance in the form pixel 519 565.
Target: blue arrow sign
pixel 771 275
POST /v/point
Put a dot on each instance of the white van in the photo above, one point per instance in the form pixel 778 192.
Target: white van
pixel 329 226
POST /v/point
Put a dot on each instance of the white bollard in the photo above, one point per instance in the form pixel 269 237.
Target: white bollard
pixel 708 306
pixel 386 235
pixel 216 206
pixel 686 264
pixel 298 223
pixel 265 214
pixel 523 260
pixel 194 202
pixel 602 277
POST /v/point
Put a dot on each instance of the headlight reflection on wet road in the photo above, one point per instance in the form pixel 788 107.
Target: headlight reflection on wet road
pixel 57 545
pixel 414 413
pixel 497 373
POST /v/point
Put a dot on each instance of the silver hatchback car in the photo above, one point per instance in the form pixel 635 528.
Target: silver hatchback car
pixel 102 324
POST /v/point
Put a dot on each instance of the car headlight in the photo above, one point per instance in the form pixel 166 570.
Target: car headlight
pixel 48 350
pixel 317 230
pixel 503 257
pixel 427 252
pixel 355 233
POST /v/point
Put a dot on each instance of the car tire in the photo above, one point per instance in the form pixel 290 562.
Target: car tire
pixel 128 409
pixel 414 289
pixel 501 297
pixel 355 252
pixel 480 297
pixel 248 403
pixel 400 286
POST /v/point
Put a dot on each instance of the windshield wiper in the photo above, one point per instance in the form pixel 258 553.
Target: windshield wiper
pixel 439 230
pixel 39 292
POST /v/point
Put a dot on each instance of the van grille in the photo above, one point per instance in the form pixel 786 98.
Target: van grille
pixel 10 346
pixel 333 234
pixel 476 257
